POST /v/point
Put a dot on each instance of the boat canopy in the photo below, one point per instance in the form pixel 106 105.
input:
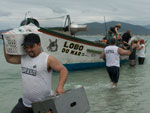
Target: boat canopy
pixel 61 22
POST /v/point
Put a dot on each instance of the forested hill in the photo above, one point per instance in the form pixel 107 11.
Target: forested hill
pixel 101 28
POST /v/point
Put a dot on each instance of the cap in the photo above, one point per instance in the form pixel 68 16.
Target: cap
pixel 112 41
pixel 142 41
pixel 31 39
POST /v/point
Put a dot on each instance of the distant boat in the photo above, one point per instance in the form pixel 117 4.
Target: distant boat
pixel 75 53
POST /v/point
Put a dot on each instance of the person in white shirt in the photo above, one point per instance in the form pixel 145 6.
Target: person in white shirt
pixel 141 52
pixel 36 71
pixel 112 55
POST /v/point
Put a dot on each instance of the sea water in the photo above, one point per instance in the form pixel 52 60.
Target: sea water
pixel 131 95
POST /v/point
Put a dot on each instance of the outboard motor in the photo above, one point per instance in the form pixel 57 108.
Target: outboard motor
pixel 74 28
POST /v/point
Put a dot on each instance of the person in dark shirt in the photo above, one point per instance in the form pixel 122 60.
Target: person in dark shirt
pixel 126 36
pixel 113 31
pixel 132 56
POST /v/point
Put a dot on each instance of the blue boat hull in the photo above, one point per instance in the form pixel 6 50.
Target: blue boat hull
pixel 83 66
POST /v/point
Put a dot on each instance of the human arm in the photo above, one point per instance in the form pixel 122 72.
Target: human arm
pixel 124 52
pixel 116 30
pixel 13 59
pixel 102 55
pixel 54 64
pixel 124 42
pixel 139 47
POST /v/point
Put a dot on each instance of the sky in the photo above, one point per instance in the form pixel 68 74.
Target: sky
pixel 137 12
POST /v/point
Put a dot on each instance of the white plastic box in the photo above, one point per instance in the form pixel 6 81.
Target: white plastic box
pixel 72 101
pixel 13 44
pixel 14 38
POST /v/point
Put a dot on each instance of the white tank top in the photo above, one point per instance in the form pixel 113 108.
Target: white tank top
pixel 36 80
pixel 112 56
pixel 141 53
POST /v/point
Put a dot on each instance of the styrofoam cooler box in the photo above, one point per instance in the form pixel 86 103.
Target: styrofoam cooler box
pixel 72 101
pixel 14 38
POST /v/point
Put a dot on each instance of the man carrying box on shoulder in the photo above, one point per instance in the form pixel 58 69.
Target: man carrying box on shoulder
pixel 36 73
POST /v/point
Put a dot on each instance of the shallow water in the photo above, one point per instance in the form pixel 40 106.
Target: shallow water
pixel 131 95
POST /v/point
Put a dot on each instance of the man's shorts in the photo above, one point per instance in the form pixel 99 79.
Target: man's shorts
pixel 113 72
pixel 20 108
pixel 141 60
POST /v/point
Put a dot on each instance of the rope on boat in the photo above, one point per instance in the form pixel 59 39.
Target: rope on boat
pixel 51 18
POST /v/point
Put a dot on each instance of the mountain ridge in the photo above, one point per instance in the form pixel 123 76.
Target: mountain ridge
pixel 96 28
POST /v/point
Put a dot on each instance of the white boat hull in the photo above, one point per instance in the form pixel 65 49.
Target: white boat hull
pixel 74 53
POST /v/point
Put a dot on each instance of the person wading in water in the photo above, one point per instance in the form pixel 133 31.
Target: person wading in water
pixel 112 55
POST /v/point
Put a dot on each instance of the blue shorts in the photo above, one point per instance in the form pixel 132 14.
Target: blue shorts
pixel 113 72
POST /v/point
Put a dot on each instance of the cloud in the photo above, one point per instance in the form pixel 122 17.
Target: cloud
pixel 12 12
pixel 4 13
pixel 59 10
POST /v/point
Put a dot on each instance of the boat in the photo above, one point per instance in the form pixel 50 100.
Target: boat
pixel 62 43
